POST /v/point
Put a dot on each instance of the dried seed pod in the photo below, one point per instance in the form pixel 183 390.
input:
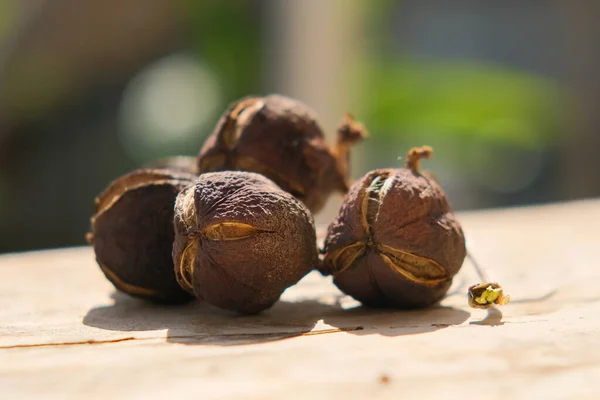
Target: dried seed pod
pixel 240 240
pixel 281 138
pixel 176 163
pixel 132 233
pixel 396 242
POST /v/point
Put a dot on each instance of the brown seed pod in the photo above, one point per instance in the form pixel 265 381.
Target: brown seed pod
pixel 240 240
pixel 281 138
pixel 176 163
pixel 395 242
pixel 132 233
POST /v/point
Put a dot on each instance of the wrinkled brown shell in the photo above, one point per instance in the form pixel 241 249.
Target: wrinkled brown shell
pixel 281 138
pixel 395 242
pixel 240 240
pixel 132 233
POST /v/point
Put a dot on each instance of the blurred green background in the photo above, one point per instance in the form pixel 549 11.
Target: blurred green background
pixel 506 93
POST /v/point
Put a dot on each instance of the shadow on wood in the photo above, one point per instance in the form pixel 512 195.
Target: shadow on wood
pixel 493 318
pixel 389 322
pixel 200 323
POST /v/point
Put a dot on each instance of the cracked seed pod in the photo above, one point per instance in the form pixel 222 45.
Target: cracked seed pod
pixel 281 138
pixel 176 163
pixel 396 242
pixel 240 240
pixel 132 233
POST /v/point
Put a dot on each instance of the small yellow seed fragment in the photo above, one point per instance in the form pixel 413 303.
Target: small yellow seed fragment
pixel 485 295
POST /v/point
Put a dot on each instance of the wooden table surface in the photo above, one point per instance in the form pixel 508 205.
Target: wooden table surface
pixel 65 333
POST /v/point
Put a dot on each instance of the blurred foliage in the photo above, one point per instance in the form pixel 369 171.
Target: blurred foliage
pixel 457 101
pixel 224 40
pixel 495 129
pixel 493 126
pixel 226 34
pixel 7 17
pixel 41 74
pixel 467 101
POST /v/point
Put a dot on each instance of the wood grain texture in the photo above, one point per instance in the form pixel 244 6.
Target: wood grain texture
pixel 64 333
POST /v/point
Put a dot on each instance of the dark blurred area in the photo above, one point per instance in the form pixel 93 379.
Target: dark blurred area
pixel 506 93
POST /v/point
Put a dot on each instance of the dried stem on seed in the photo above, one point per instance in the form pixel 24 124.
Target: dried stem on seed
pixel 413 160
pixel 349 133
